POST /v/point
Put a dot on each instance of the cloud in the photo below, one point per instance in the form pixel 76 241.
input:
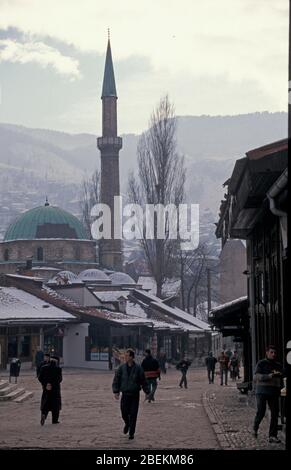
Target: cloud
pixel 41 54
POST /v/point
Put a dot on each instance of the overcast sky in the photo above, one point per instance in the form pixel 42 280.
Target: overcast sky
pixel 211 57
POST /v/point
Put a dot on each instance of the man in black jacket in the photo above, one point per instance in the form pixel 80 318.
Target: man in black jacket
pixel 152 372
pixel 210 362
pixel 183 366
pixel 128 379
pixel 50 377
pixel 268 383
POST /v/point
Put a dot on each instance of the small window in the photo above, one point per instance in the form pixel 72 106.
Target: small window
pixel 40 254
pixel 6 255
pixel 77 253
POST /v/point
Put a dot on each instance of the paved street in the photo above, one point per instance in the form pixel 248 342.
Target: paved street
pixel 196 418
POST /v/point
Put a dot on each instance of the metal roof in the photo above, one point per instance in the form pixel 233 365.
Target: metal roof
pixel 109 88
pixel 45 222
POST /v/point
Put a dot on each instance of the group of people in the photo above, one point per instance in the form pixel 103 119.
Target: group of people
pixel 131 377
pixel 49 374
pixel 228 362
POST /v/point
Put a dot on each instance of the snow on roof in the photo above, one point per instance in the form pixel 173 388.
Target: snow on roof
pixel 148 296
pixel 110 296
pixel 118 317
pixel 135 309
pixel 65 277
pixel 60 296
pixel 19 276
pixel 184 316
pixel 93 275
pixel 18 304
pixel 177 312
pixel 121 278
pixel 43 268
pixel 229 304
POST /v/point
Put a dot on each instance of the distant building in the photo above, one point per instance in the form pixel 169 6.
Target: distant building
pixel 46 236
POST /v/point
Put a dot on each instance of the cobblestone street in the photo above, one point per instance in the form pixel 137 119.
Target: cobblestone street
pixel 201 417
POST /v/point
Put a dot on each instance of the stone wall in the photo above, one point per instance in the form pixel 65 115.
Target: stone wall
pixel 66 252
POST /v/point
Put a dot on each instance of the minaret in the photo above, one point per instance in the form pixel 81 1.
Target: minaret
pixel 109 145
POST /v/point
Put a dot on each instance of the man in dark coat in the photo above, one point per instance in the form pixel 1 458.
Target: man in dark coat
pixel 128 379
pixel 50 376
pixel 183 366
pixel 210 362
pixel 152 372
pixel 45 361
pixel 223 360
pixel 268 382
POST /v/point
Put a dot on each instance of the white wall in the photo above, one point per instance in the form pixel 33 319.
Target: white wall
pixel 82 295
pixel 74 353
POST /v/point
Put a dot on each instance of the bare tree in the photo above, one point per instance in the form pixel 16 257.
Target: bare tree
pixel 90 195
pixel 194 266
pixel 161 179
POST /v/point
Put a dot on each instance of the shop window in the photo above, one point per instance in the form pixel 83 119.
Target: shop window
pixel 24 346
pixel 12 346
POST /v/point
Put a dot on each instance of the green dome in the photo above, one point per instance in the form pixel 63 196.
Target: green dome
pixel 46 222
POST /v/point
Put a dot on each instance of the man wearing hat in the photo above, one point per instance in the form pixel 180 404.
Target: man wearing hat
pixel 50 377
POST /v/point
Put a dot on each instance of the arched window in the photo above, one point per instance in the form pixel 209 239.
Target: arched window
pixel 6 255
pixel 40 254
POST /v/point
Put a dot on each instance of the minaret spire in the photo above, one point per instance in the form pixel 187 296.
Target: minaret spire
pixel 109 88
pixel 109 145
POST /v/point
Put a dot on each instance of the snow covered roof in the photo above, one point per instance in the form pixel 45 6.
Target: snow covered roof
pixel 19 276
pixel 173 311
pixel 230 304
pixel 110 296
pixel 65 277
pixel 43 268
pixel 93 275
pixel 16 304
pixel 121 278
pixel 118 317
pixel 135 309
pixel 183 316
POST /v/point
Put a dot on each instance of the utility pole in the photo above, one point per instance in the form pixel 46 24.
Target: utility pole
pixel 208 291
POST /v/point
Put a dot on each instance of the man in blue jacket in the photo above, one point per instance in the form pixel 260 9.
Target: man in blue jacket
pixel 129 379
pixel 268 382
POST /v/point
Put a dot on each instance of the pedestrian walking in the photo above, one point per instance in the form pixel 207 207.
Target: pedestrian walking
pixel 129 379
pixel 183 366
pixel 162 359
pixel 268 381
pixel 152 372
pixel 223 360
pixel 234 366
pixel 210 362
pixel 50 377
pixel 228 352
